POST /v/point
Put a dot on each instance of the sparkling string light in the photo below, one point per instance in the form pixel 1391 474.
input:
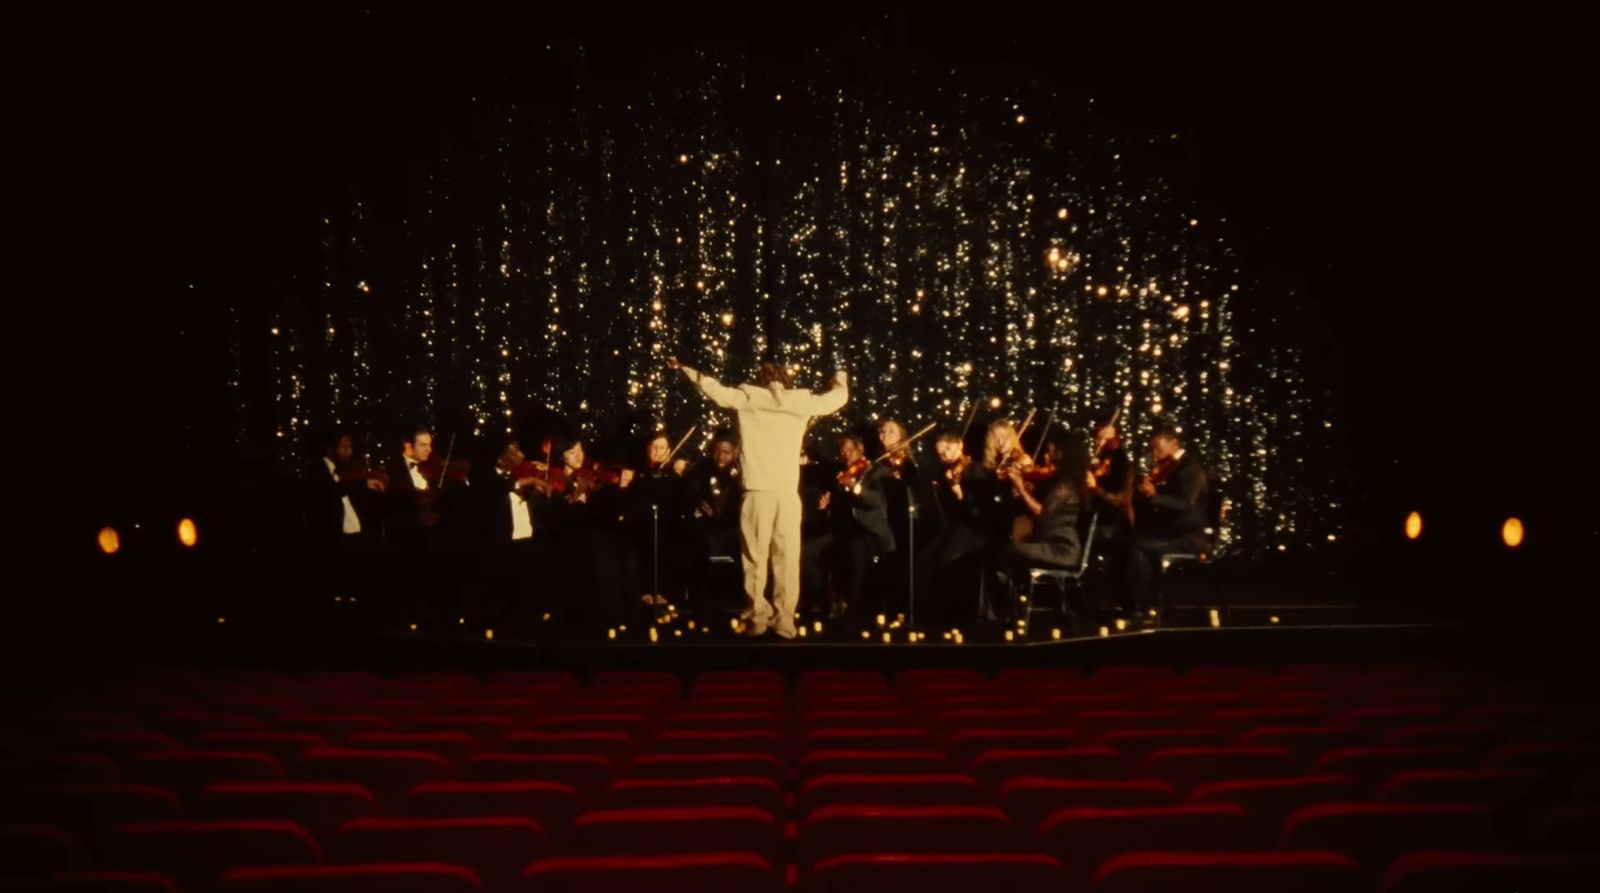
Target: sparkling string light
pixel 947 243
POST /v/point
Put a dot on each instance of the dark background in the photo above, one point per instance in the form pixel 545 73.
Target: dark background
pixel 1414 178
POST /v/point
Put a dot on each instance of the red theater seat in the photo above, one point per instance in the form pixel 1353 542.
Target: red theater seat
pixel 453 746
pixel 628 723
pixel 335 727
pixel 285 747
pixel 1189 872
pixel 1092 724
pixel 837 830
pixel 386 773
pixel 1242 719
pixel 1306 741
pixel 404 877
pixel 1083 838
pixel 966 744
pixel 680 873
pixel 1139 743
pixel 496 848
pixel 1483 786
pixel 707 765
pixel 702 829
pixel 899 790
pixel 1373 833
pixel 319 807
pixel 856 718
pixel 715 720
pixel 586 773
pixel 722 741
pixel 1100 763
pixel 612 745
pixel 934 873
pixel 652 793
pixel 560 680
pixel 482 728
pixel 1479 872
pixel 1374 764
pixel 1186 767
pixel 195 853
pixel 1270 800
pixel 866 739
pixel 872 762
pixel 552 804
pixel 1030 799
pixel 185 773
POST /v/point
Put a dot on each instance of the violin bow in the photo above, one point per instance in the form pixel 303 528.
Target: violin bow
pixel 1049 419
pixel 970 417
pixel 444 469
pixel 681 442
pixel 906 443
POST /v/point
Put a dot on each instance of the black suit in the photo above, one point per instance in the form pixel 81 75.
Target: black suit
pixel 1173 521
pixel 325 504
pixel 949 565
pixel 861 535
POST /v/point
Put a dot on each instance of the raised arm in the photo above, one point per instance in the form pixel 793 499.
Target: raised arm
pixel 833 399
pixel 715 391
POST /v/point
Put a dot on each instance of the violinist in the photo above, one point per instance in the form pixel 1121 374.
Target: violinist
pixel 901 490
pixel 951 561
pixel 340 492
pixel 1110 487
pixel 1002 453
pixel 857 508
pixel 713 488
pixel 653 515
pixel 1170 512
pixel 506 490
pixel 585 507
pixel 411 495
pixel 1053 503
pixel 1110 482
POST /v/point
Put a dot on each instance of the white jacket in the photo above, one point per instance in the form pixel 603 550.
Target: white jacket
pixel 772 426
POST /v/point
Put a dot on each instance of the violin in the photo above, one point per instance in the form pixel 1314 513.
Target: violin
pixel 358 470
pixel 955 472
pixel 1162 471
pixel 851 476
pixel 897 461
pixel 436 472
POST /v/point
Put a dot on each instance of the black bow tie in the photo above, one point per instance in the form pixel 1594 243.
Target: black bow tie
pixel 412 464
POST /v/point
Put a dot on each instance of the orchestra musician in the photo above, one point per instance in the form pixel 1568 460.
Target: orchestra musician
pixel 1053 502
pixel 857 507
pixel 951 561
pixel 652 510
pixel 341 490
pixel 773 416
pixel 1169 514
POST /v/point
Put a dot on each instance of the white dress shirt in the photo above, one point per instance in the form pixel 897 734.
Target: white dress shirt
pixel 352 521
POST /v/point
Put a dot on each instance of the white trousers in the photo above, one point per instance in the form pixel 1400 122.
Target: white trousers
pixel 769 533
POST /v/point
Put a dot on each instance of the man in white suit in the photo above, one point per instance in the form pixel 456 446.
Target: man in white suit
pixel 773 416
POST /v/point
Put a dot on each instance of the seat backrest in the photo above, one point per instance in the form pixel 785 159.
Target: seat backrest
pixel 725 872
pixel 404 877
